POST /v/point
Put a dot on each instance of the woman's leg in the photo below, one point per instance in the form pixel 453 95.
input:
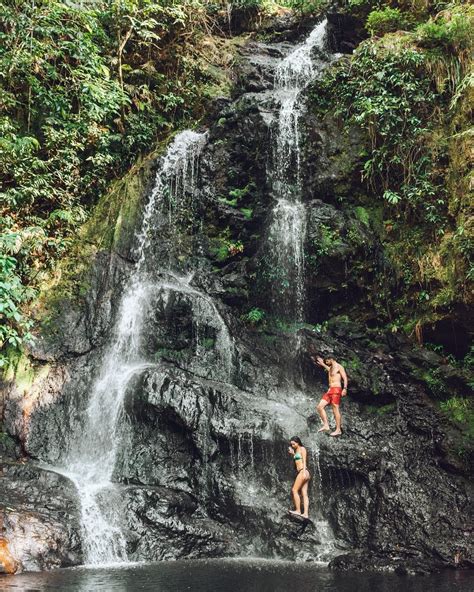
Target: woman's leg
pixel 304 493
pixel 295 491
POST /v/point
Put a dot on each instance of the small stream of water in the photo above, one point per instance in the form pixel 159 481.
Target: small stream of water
pixel 204 312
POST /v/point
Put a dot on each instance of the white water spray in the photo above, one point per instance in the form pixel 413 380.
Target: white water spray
pixel 90 462
pixel 288 226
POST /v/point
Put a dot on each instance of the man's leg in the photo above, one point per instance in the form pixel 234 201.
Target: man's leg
pixel 337 417
pixel 323 415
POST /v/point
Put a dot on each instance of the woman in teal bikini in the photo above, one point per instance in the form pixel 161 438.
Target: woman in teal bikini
pixel 300 486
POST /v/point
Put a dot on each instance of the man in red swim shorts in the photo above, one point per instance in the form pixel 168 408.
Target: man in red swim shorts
pixel 337 388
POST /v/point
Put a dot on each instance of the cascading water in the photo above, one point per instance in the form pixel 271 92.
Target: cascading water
pixel 92 454
pixel 288 224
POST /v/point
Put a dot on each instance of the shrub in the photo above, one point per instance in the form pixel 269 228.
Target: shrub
pixel 224 246
pixel 14 329
pixel 454 30
pixel 247 212
pixel 362 215
pixel 435 384
pixel 386 20
pixel 387 94
pixel 246 5
pixel 460 410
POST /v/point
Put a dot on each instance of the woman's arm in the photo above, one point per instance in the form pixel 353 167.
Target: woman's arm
pixel 303 454
pixel 291 451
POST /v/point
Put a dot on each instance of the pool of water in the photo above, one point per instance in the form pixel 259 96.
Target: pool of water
pixel 230 575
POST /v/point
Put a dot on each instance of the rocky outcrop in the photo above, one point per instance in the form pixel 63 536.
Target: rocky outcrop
pixel 202 466
pixel 39 518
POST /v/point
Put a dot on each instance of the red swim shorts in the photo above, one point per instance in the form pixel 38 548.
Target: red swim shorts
pixel 333 396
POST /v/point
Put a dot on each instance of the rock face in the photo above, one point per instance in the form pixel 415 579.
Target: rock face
pixel 40 518
pixel 202 464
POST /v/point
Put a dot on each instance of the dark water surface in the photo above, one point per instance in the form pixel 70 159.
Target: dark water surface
pixel 231 576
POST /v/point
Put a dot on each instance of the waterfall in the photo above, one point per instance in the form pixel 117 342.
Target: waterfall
pixel 92 454
pixel 288 221
pixel 156 284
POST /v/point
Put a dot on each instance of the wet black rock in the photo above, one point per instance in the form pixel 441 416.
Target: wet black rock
pixel 346 31
pixel 401 563
pixel 39 516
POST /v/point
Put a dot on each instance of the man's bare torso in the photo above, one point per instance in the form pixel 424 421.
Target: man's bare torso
pixel 335 379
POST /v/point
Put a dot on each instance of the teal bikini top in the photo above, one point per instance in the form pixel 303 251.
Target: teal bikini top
pixel 298 456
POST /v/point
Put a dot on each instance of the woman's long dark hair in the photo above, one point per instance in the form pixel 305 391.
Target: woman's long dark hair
pixel 297 440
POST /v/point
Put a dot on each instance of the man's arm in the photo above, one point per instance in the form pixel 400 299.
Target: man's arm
pixel 320 362
pixel 345 380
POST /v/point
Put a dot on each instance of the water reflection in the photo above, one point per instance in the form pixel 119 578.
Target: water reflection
pixel 230 576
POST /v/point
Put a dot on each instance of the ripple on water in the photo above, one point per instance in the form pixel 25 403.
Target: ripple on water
pixel 230 575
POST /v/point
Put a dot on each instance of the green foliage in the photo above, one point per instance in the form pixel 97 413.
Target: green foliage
pixel 255 316
pixel 208 342
pixel 15 328
pixel 322 245
pixel 237 195
pixel 469 358
pixel 386 20
pixel 354 364
pixel 240 194
pixel 386 93
pixel 246 4
pixel 355 4
pixel 362 215
pixel 453 30
pixel 460 410
pixel 464 242
pixel 305 7
pixel 228 202
pixel 85 88
pixel 170 354
pixel 224 246
pixel 411 93
pixel 435 384
pixel 283 325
